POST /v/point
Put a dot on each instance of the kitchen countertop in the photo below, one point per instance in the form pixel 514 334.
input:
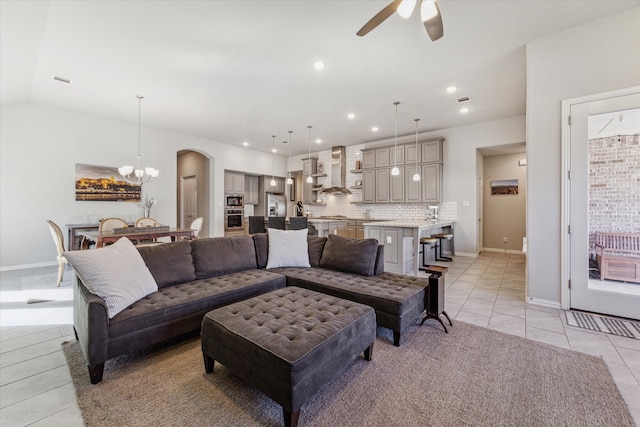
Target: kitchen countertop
pixel 427 223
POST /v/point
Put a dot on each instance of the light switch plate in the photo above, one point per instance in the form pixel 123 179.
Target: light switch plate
pixel 465 203
pixel 389 240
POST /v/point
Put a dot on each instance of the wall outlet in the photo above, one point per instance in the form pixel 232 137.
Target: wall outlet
pixel 505 240
pixel 389 240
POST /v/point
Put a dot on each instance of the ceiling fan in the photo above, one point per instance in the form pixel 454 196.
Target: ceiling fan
pixel 429 13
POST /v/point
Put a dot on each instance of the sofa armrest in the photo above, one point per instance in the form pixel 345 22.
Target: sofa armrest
pixel 91 323
pixel 379 267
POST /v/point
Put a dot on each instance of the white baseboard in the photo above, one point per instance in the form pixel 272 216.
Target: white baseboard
pixel 503 251
pixel 467 254
pixel 26 266
pixel 544 302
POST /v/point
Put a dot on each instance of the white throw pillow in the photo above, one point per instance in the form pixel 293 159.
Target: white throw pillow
pixel 116 273
pixel 288 248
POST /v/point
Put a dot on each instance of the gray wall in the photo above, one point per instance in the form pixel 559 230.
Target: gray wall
pixel 600 56
pixel 504 215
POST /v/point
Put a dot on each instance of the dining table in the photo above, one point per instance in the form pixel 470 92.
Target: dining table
pixel 103 238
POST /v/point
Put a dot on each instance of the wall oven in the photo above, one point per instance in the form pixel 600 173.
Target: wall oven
pixel 234 201
pixel 233 219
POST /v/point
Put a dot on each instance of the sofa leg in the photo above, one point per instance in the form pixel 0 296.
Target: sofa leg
pixel 368 352
pixel 95 372
pixel 396 338
pixel 291 419
pixel 208 363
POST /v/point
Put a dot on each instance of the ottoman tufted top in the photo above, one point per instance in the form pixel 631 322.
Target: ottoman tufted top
pixel 288 322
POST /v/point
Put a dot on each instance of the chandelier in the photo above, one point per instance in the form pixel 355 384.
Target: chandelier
pixel 138 176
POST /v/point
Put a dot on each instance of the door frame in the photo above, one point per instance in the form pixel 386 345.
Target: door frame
pixel 565 208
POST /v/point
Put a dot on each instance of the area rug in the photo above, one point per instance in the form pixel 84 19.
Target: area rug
pixel 471 376
pixel 609 325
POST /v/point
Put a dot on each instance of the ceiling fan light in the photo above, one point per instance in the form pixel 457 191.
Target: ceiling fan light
pixel 405 9
pixel 125 170
pixel 428 10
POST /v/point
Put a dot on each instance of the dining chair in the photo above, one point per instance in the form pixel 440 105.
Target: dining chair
pixel 276 222
pixel 256 225
pixel 146 222
pixel 196 225
pixel 58 239
pixel 108 224
pixel 297 223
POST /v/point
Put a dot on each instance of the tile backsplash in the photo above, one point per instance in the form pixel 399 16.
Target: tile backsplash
pixel 347 205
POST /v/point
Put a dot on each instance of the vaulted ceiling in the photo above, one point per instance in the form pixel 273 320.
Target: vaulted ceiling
pixel 241 71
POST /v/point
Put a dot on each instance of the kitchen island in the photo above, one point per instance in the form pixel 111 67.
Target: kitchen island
pixel 401 240
pixel 327 226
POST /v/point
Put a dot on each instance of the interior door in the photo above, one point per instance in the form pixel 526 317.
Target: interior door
pixel 189 200
pixel 616 298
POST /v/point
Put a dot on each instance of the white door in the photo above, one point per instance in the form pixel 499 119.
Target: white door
pixel 189 200
pixel 588 120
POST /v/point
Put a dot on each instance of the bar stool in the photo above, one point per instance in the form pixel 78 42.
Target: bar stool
pixel 441 237
pixel 430 241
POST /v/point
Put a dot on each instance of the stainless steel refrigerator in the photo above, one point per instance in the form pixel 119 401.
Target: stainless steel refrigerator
pixel 276 205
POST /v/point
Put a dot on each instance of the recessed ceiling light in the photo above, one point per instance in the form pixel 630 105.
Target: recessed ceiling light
pixel 246 144
pixel 319 65
pixel 464 110
pixel 351 116
pixel 452 89
pixel 374 129
pixel 318 141
pixel 273 150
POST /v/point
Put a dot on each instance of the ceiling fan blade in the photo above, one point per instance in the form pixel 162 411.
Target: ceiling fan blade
pixel 434 25
pixel 379 17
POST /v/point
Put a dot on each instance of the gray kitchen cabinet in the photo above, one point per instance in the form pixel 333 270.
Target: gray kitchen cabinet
pixel 383 157
pixel 412 189
pixel 251 190
pixel 369 186
pixel 412 154
pixel 396 186
pixel 382 185
pixel 432 151
pixel 368 159
pixel 278 188
pixel 233 182
pixel 431 180
pixel 396 156
pixel 338 228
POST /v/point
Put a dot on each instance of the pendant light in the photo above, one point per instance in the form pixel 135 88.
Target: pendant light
pixel 395 171
pixel 273 162
pixel 140 176
pixel 416 176
pixel 309 178
pixel 290 180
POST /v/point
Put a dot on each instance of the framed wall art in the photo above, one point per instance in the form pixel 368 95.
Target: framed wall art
pixel 104 184
pixel 504 187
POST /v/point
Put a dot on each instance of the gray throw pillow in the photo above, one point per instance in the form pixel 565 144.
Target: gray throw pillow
pixel 356 256
pixel 316 246
pixel 216 256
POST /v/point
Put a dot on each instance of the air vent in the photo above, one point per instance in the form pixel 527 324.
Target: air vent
pixel 464 99
pixel 61 80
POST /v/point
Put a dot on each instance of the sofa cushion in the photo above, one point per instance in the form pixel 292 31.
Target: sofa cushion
pixel 116 273
pixel 288 248
pixel 216 256
pixel 261 240
pixel 169 263
pixel 356 256
pixel 180 301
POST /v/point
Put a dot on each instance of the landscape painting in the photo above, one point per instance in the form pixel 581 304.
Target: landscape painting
pixel 504 186
pixel 104 183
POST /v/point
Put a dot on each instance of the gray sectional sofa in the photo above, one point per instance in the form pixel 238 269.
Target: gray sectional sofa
pixel 194 277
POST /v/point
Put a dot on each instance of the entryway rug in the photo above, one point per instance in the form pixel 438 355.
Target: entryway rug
pixel 471 376
pixel 609 325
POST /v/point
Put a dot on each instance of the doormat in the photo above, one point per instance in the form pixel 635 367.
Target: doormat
pixel 609 325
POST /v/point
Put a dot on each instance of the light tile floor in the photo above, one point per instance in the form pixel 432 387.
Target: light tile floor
pixel 489 291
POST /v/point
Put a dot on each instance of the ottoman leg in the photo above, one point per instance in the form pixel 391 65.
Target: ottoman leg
pixel 208 363
pixel 368 352
pixel 291 419
pixel 396 338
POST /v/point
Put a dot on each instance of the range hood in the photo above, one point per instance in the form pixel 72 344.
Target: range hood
pixel 338 171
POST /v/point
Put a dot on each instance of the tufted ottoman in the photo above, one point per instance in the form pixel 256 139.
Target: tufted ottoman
pixel 288 342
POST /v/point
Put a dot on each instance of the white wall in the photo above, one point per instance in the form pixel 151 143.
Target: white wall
pixel 39 147
pixel 600 56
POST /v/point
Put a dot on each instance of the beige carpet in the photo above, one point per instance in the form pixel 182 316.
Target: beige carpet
pixel 469 377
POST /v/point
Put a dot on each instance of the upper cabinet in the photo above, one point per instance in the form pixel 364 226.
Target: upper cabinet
pixel 251 183
pixel 425 158
pixel 233 182
pixel 279 188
